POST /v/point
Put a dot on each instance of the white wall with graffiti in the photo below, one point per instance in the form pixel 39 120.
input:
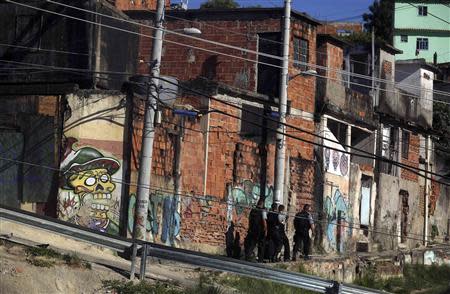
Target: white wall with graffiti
pixel 337 207
pixel 91 163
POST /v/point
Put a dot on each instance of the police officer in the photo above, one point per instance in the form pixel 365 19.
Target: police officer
pixel 284 241
pixel 257 232
pixel 303 222
pixel 273 236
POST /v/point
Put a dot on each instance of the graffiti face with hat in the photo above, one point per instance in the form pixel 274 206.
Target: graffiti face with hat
pixel 87 178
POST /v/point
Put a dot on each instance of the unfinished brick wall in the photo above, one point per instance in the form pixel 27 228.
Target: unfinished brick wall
pixel 233 170
pixel 413 158
pixel 136 4
pixel 302 89
pixel 188 63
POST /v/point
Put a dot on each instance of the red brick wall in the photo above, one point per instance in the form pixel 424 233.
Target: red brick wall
pixel 136 4
pixel 413 158
pixel 188 63
pixel 302 89
pixel 234 162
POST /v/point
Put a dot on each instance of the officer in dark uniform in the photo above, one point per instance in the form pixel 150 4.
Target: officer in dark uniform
pixel 303 222
pixel 273 234
pixel 284 241
pixel 257 232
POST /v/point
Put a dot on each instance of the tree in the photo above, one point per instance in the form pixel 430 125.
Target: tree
pixel 381 18
pixel 218 4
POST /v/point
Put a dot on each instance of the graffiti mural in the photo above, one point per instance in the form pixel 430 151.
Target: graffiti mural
pixel 246 195
pixel 88 195
pixel 339 218
pixel 164 220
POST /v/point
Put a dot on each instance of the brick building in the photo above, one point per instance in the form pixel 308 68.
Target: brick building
pixel 136 4
pixel 229 160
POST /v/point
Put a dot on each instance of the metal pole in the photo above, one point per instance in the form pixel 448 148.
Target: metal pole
pixel 374 103
pixel 148 135
pixel 427 190
pixel 280 151
pixel 143 262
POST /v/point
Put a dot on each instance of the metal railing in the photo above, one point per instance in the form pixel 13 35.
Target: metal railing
pixel 220 263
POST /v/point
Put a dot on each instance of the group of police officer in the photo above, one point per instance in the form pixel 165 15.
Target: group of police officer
pixel 267 231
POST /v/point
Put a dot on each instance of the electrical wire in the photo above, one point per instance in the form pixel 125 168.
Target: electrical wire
pixel 215 199
pixel 294 127
pixel 208 41
pixel 433 15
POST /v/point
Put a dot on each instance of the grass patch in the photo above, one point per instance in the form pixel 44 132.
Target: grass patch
pixel 143 287
pixel 432 279
pixel 40 262
pixel 45 257
pixel 45 252
pixel 256 286
pixel 75 261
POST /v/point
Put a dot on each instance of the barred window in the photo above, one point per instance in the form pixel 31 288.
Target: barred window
pixel 301 53
pixel 422 44
pixel 423 10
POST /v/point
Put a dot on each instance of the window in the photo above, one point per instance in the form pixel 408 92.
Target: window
pixel 422 44
pixel 269 76
pixel 423 10
pixel 404 38
pixel 405 144
pixel 301 52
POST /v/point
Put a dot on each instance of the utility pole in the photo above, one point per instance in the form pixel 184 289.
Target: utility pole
pixel 148 134
pixel 280 151
pixel 373 91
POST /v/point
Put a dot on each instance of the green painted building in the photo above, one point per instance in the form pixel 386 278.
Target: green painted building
pixel 422 28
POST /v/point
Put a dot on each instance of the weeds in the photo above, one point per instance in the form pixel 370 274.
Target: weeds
pixel 41 262
pixel 256 286
pixel 143 287
pixel 45 257
pixel 428 279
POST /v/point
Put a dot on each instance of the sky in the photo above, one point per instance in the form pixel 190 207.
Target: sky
pixel 345 10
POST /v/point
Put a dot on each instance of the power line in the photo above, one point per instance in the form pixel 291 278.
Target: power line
pixel 122 182
pixel 42 49
pixel 433 15
pixel 374 157
pixel 215 199
pixel 211 42
pixel 317 75
pixel 288 135
pixel 256 36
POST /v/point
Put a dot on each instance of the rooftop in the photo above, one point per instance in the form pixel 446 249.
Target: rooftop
pixel 231 13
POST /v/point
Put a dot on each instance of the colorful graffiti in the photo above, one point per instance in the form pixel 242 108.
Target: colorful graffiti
pixel 88 196
pixel 164 220
pixel 246 195
pixel 339 218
